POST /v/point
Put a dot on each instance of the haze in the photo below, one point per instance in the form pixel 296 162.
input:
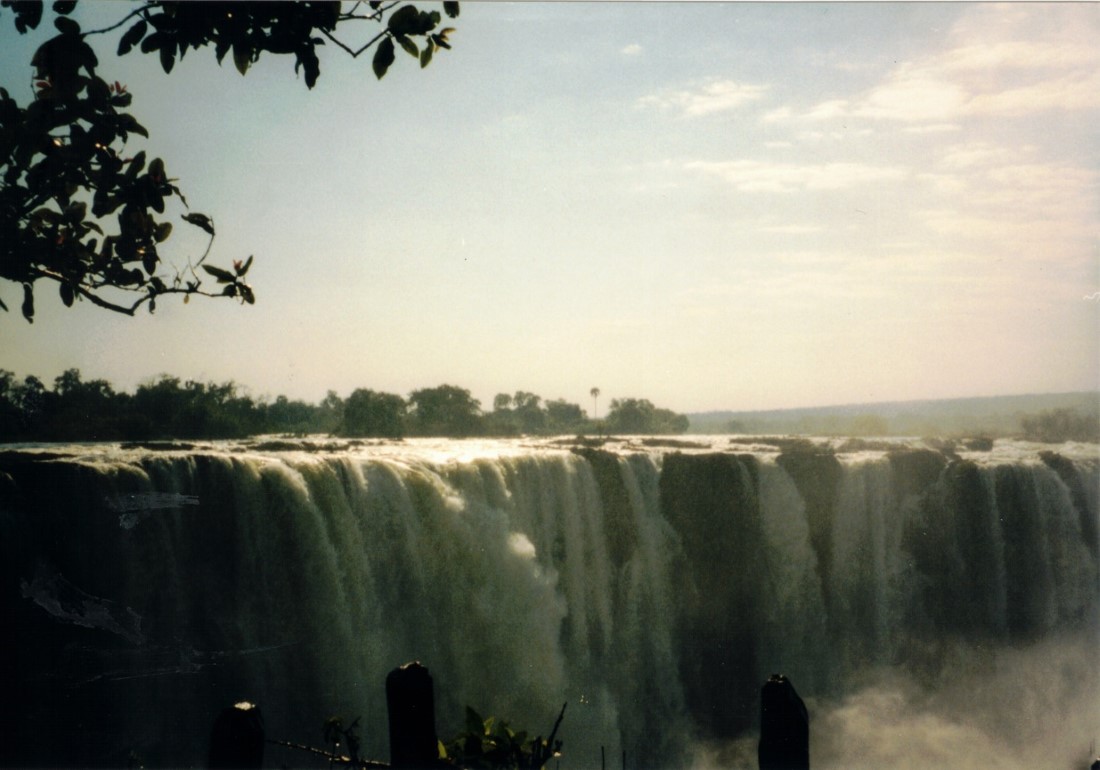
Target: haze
pixel 708 205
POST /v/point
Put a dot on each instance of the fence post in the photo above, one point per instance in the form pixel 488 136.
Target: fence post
pixel 410 700
pixel 784 727
pixel 237 738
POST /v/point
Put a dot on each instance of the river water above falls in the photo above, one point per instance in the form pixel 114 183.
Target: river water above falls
pixel 936 606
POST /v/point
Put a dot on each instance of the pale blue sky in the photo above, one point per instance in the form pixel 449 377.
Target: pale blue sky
pixel 710 205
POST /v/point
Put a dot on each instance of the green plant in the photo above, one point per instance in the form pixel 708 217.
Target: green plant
pixel 489 744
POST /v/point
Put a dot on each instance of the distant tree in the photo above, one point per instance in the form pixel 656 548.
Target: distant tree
pixel 330 413
pixel 1057 425
pixel 634 415
pixel 563 417
pixel 367 413
pixel 76 211
pixel 83 410
pixel 630 415
pixel 595 393
pixel 528 413
pixel 34 401
pixel 165 409
pixel 446 410
pixel 502 420
pixel 291 417
pixel 23 407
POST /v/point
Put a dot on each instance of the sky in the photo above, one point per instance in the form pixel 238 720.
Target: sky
pixel 707 205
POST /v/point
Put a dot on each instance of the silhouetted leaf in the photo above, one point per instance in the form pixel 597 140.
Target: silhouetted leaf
pixel 64 7
pixel 247 295
pixel 27 15
pixel 241 58
pixel 152 42
pixel 383 58
pixel 201 221
pixel 128 123
pixel 404 20
pixel 244 268
pixel 149 260
pixel 308 60
pixel 168 56
pixel 28 302
pixel 131 38
pixel 159 21
pixel 66 291
pixel 164 229
pixel 76 211
pixel 426 54
pixel 409 46
pixel 137 165
pixel 451 9
pixel 66 26
pixel 223 276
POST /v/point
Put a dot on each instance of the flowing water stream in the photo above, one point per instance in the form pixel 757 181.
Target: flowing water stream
pixel 935 608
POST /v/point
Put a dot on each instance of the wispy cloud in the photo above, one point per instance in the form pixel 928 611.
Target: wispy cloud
pixel 1009 197
pixel 716 96
pixel 762 176
pixel 1001 61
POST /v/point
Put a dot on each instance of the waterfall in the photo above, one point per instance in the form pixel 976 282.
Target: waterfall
pixel 951 602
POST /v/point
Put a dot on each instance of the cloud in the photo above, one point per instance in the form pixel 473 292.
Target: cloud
pixel 913 94
pixel 716 96
pixel 975 154
pixel 762 176
pixel 1000 61
pixel 631 50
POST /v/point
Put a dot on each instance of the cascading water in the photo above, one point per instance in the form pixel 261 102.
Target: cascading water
pixel 929 607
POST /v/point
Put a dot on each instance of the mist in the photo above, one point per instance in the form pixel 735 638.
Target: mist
pixel 1014 709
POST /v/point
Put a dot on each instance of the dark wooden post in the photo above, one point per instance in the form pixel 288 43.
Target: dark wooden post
pixel 237 738
pixel 410 700
pixel 784 727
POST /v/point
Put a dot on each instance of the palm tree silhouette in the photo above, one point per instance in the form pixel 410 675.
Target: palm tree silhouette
pixel 595 393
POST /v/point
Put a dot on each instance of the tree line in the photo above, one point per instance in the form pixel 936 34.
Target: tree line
pixel 74 409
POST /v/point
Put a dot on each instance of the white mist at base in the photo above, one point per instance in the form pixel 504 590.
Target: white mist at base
pixel 1036 707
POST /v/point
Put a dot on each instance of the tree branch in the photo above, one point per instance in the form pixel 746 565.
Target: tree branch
pixel 376 16
pixel 355 54
pixel 99 301
pixel 327 755
pixel 122 21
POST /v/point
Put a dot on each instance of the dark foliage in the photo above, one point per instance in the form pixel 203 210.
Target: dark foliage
pixel 168 408
pixel 83 211
pixel 1058 425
